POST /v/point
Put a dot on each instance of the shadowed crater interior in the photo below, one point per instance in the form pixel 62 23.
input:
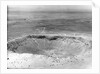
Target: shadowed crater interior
pixel 53 46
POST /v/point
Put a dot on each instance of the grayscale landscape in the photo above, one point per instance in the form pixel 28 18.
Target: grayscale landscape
pixel 49 37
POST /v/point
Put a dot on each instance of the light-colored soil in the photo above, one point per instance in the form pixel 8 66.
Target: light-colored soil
pixel 38 53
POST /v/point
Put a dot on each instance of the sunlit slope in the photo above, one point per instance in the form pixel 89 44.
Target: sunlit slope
pixel 60 52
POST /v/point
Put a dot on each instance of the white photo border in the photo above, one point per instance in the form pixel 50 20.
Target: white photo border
pixel 95 38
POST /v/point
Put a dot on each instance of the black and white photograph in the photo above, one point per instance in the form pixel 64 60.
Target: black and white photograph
pixel 49 37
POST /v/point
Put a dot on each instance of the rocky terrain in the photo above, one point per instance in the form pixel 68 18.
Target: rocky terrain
pixel 48 37
pixel 49 51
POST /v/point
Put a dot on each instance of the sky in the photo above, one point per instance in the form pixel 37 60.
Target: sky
pixel 52 8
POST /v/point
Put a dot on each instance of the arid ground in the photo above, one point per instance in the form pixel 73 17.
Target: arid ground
pixel 49 39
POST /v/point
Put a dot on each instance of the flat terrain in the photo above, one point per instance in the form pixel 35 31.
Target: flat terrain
pixel 23 23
